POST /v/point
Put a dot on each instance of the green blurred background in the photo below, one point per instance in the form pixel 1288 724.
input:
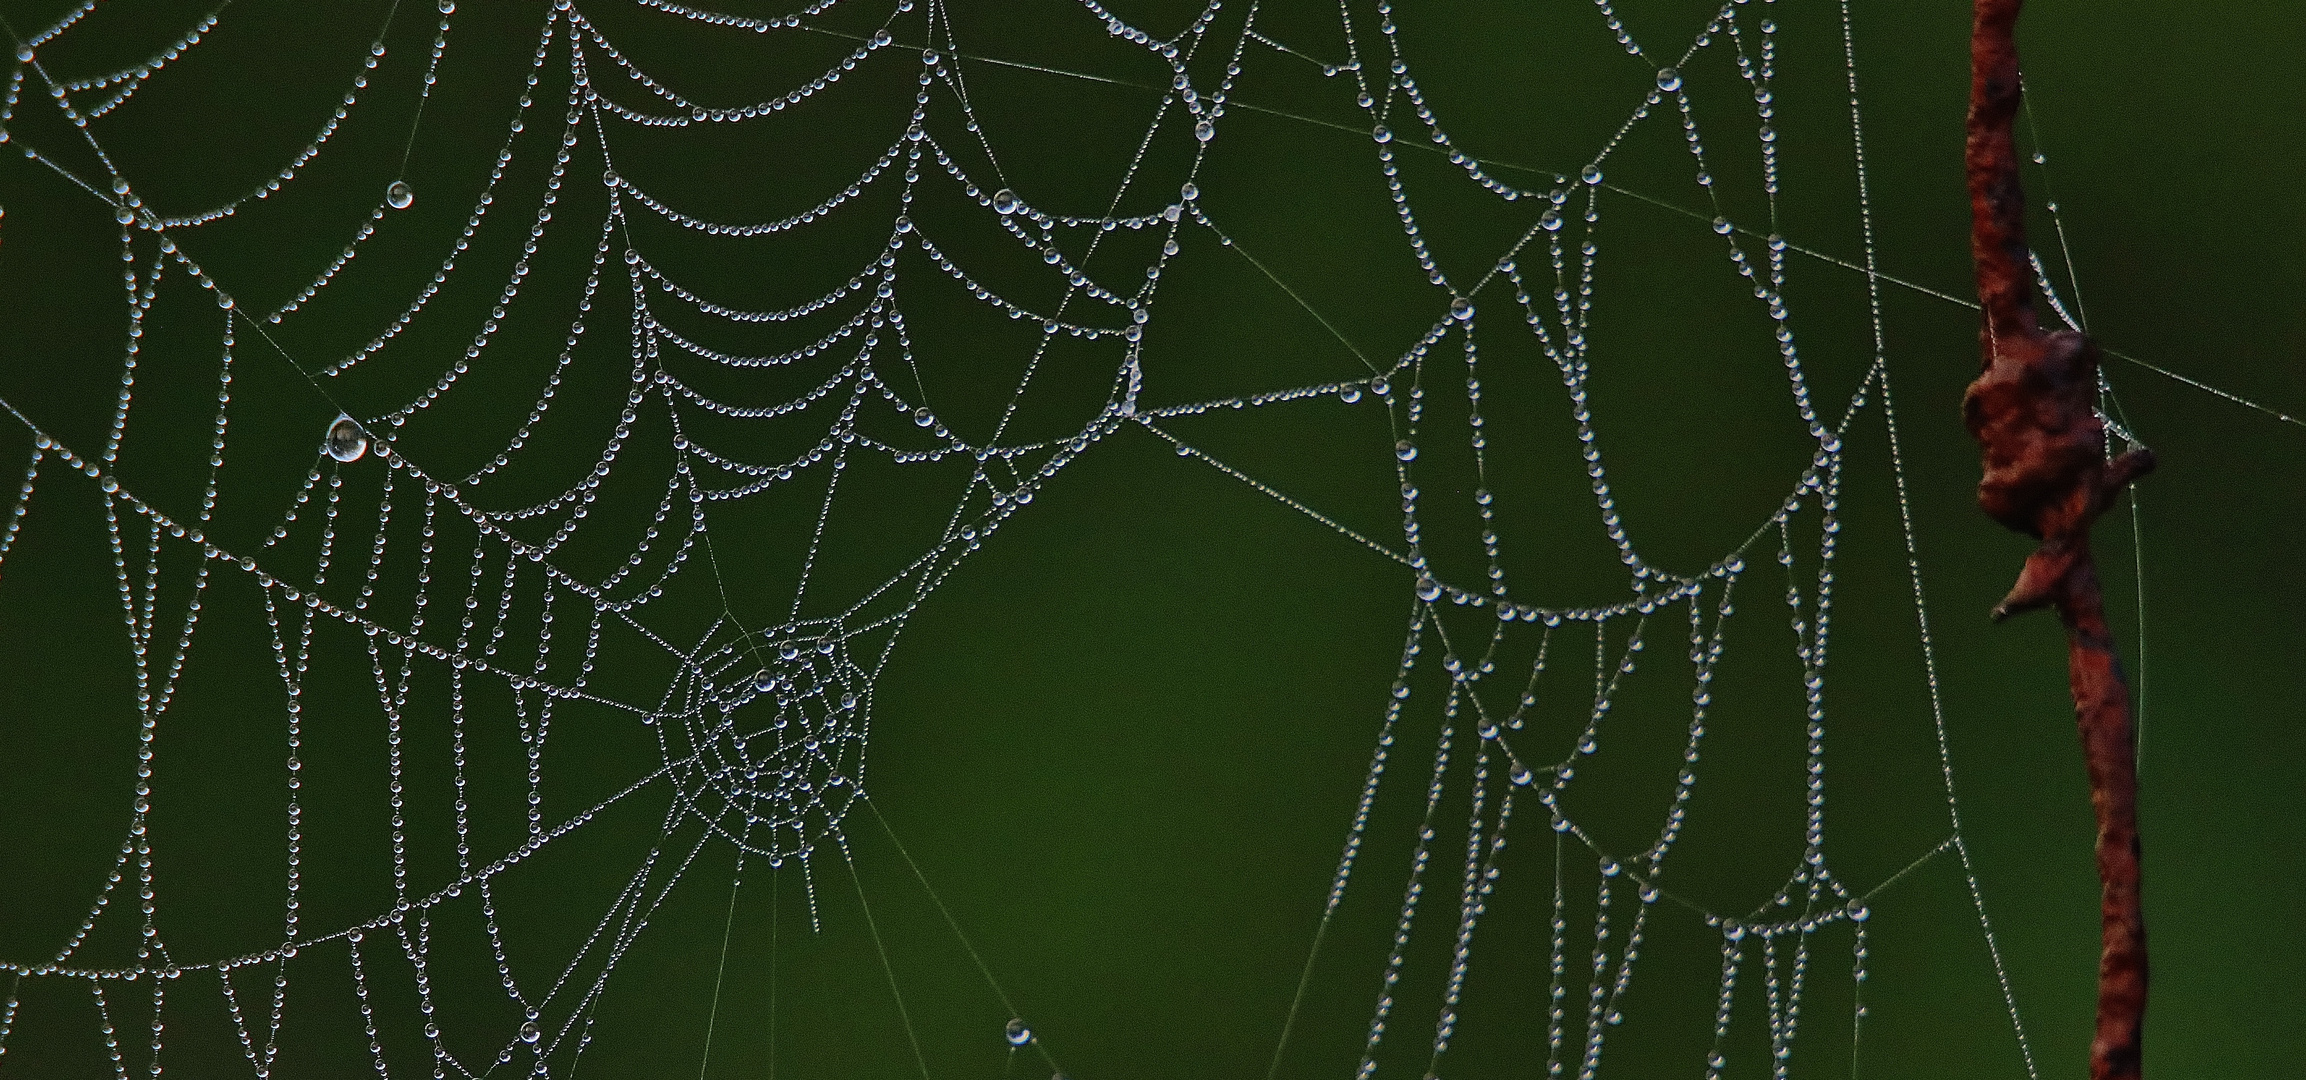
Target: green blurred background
pixel 1114 755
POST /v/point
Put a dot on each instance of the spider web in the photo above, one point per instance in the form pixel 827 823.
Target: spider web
pixel 570 400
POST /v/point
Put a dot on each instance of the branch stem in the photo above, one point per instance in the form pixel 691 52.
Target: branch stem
pixel 2032 410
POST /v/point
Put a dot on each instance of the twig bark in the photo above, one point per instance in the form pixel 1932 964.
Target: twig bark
pixel 2047 475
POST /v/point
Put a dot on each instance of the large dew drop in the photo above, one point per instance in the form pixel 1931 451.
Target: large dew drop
pixel 399 195
pixel 346 442
pixel 1017 1033
pixel 1004 201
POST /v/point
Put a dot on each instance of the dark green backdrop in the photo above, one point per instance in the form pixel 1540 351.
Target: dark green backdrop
pixel 1122 742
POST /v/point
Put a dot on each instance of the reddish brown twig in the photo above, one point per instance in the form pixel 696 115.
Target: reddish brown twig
pixel 2047 475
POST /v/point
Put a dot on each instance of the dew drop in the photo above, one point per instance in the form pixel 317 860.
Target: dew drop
pixel 399 195
pixel 1405 450
pixel 1204 131
pixel 346 442
pixel 1017 1033
pixel 1382 134
pixel 1551 220
pixel 1721 225
pixel 1428 589
pixel 1349 393
pixel 1004 201
pixel 764 681
pixel 922 417
pixel 1669 79
pixel 1591 174
pixel 1858 911
pixel 1521 776
pixel 530 1033
pixel 1461 309
pixel 448 7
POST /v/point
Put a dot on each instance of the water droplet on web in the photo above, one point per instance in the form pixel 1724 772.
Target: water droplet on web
pixel 1017 1033
pixel 448 7
pixel 1591 174
pixel 2039 159
pixel 922 417
pixel 346 442
pixel 1521 775
pixel 1349 393
pixel 1669 79
pixel 1405 450
pixel 1190 192
pixel 1858 911
pixel 399 195
pixel 1004 201
pixel 1722 225
pixel 1614 1017
pixel 764 682
pixel 1551 220
pixel 1428 589
pixel 23 54
pixel 1382 134
pixel 530 1033
pixel 1204 131
pixel 1461 309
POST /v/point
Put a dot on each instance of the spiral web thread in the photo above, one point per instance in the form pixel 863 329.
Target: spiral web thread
pixel 763 728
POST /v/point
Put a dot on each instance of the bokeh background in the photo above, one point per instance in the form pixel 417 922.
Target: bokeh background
pixel 1114 755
